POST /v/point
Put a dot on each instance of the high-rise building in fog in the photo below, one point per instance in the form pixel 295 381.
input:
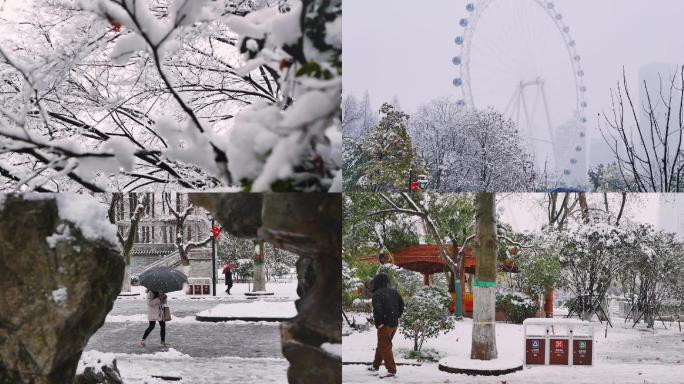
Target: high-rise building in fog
pixel 657 78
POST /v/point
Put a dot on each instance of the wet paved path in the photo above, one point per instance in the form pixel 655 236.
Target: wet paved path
pixel 196 339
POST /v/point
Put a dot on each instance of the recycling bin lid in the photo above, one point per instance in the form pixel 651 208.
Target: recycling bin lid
pixel 547 321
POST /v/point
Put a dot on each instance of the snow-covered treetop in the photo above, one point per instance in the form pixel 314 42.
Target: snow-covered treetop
pixel 196 94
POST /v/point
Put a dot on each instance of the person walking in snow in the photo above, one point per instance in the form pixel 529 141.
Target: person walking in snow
pixel 228 273
pixel 156 301
pixel 388 306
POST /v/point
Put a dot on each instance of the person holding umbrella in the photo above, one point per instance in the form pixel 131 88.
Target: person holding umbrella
pixel 228 273
pixel 159 281
pixel 156 302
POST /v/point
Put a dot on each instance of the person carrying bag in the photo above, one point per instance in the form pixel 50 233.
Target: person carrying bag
pixel 157 311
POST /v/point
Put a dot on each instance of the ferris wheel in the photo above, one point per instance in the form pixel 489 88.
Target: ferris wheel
pixel 520 58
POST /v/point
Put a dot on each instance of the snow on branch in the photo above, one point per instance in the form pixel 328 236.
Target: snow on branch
pixel 195 93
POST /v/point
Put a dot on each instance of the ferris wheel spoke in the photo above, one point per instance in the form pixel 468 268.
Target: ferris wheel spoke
pixel 519 58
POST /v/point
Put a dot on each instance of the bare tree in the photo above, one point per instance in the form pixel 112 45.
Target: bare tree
pixel 646 136
pixel 470 150
pixel 116 210
pixel 180 215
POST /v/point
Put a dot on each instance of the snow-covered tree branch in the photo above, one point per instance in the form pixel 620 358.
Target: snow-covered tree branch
pixel 134 94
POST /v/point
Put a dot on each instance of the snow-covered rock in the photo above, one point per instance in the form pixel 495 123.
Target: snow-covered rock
pixel 97 368
pixel 55 290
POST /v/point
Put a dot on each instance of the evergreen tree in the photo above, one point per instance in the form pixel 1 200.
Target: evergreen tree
pixel 390 157
pixel 355 160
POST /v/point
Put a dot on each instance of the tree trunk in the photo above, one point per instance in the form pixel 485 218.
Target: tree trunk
pixel 259 270
pixel 128 242
pixel 484 290
pixel 457 274
pixel 187 269
pixel 126 286
pixel 548 302
pixel 584 207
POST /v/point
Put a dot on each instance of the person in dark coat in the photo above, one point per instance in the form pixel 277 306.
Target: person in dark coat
pixel 228 274
pixel 388 306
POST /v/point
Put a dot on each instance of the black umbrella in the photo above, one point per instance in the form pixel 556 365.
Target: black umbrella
pixel 163 279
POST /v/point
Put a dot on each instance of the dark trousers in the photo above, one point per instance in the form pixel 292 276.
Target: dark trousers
pixel 162 330
pixel 229 282
pixel 384 349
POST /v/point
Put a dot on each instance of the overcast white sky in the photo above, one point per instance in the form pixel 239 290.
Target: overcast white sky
pixel 405 47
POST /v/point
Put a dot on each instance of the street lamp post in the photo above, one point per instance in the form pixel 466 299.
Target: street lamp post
pixel 213 257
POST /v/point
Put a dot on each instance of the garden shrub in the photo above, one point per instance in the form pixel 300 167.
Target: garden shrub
pixel 426 314
pixel 517 306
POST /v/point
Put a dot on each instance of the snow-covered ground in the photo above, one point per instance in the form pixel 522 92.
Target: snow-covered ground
pixel 283 289
pixel 255 309
pixel 626 356
pixel 140 369
pixel 235 351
